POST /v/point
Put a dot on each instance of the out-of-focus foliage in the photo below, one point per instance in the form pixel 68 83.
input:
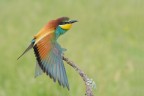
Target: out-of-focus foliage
pixel 106 43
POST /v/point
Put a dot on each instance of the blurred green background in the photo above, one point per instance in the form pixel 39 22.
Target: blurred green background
pixel 106 43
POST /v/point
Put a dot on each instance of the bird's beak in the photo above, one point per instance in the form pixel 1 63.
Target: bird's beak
pixel 73 21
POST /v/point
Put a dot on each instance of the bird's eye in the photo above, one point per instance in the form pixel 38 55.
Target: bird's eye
pixel 62 23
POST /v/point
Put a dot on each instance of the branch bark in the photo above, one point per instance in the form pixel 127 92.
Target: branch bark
pixel 88 82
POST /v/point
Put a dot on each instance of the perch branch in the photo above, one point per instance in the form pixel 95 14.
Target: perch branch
pixel 88 82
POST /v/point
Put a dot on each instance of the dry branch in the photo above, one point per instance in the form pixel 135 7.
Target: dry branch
pixel 88 82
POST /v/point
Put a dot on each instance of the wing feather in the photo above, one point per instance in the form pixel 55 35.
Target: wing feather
pixel 49 56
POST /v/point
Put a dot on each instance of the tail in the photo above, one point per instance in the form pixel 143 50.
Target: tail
pixel 29 47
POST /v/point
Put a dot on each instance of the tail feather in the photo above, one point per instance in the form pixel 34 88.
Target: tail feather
pixel 29 47
pixel 38 70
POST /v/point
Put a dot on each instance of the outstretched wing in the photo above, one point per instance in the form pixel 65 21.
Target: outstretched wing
pixel 49 56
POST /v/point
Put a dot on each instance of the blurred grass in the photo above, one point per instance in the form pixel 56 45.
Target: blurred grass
pixel 107 43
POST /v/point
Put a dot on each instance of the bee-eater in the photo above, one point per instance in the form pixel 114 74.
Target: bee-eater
pixel 48 52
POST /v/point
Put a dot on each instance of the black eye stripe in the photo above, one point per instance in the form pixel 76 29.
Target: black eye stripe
pixel 62 23
pixel 68 22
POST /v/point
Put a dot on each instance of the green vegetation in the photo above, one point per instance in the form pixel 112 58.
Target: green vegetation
pixel 106 43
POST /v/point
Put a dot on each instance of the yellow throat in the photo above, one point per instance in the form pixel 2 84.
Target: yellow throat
pixel 66 26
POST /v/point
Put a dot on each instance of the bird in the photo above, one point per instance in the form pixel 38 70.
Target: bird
pixel 48 52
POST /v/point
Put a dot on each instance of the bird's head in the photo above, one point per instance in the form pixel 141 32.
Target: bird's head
pixel 62 25
pixel 65 23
